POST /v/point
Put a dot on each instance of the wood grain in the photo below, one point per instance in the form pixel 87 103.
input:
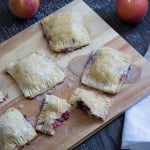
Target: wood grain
pixel 79 127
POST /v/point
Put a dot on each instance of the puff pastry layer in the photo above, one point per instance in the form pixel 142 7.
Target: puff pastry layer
pixel 54 112
pixel 15 130
pixel 35 74
pixel 90 101
pixel 106 70
pixel 65 31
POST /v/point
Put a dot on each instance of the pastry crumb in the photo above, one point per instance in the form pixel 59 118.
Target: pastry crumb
pixel 21 106
pixel 70 85
pixel 66 130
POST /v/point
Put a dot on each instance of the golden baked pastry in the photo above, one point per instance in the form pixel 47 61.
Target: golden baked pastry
pixel 106 70
pixel 54 112
pixel 15 130
pixel 92 102
pixel 65 31
pixel 35 74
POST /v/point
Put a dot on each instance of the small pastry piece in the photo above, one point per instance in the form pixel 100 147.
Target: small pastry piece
pixel 2 96
pixel 54 112
pixel 92 102
pixel 106 70
pixel 35 74
pixel 15 130
pixel 65 31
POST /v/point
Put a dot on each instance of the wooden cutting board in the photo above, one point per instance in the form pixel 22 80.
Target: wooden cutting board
pixel 80 126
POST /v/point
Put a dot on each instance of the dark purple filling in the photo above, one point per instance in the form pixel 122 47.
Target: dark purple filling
pixel 5 97
pixel 69 49
pixel 91 58
pixel 59 122
pixel 125 74
pixel 82 106
pixel 73 40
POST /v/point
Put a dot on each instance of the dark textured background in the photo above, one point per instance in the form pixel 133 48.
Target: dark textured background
pixel 138 35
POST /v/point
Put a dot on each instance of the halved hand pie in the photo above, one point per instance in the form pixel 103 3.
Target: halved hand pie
pixel 65 31
pixel 106 70
pixel 92 102
pixel 54 112
pixel 35 74
pixel 15 130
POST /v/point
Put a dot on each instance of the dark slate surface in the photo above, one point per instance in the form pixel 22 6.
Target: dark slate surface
pixel 138 35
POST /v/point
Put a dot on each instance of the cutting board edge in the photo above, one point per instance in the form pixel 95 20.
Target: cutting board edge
pixel 144 61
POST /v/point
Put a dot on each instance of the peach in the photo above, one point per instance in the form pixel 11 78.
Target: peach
pixel 24 8
pixel 131 10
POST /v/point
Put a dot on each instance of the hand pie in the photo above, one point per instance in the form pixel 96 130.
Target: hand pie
pixel 106 70
pixel 54 112
pixel 90 101
pixel 65 31
pixel 15 130
pixel 35 74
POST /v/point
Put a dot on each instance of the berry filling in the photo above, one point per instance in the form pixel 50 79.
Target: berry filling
pixel 6 97
pixel 69 49
pixel 81 105
pixel 59 122
pixel 125 74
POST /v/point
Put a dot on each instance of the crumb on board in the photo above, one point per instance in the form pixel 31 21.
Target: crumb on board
pixel 66 130
pixel 71 78
pixel 70 84
pixel 21 106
